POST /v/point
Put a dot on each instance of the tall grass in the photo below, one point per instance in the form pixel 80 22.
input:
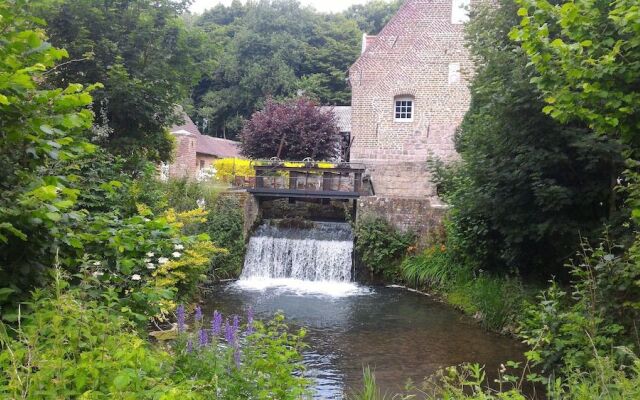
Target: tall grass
pixel 370 389
pixel 495 301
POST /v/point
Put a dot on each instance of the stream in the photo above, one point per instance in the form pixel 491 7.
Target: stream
pixel 398 333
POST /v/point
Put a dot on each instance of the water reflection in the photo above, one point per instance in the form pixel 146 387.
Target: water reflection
pixel 400 334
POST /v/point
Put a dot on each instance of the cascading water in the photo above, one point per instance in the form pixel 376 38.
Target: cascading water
pixel 315 259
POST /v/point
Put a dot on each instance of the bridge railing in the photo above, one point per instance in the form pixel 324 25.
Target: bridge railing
pixel 301 177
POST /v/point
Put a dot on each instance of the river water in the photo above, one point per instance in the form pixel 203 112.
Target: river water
pixel 400 334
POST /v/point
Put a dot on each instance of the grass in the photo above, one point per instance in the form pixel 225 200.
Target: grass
pixel 496 301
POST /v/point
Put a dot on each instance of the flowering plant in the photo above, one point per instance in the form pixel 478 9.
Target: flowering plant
pixel 147 261
pixel 241 360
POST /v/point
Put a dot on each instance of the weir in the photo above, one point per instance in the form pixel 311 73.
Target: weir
pixel 320 252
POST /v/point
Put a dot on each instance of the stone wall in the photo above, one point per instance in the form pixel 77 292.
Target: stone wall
pixel 415 215
pixel 281 208
pixel 250 206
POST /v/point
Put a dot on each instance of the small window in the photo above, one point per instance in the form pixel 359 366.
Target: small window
pixel 201 164
pixel 404 109
pixel 459 11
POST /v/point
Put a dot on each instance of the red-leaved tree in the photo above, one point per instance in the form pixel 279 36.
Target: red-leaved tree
pixel 295 129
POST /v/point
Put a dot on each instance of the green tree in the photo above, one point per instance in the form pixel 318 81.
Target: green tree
pixel 527 186
pixel 272 49
pixel 142 53
pixel 587 59
pixel 371 17
pixel 38 126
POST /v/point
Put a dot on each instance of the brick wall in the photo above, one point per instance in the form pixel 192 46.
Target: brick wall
pixel 411 57
pixel 184 160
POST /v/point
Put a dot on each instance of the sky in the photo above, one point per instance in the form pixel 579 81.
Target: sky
pixel 320 5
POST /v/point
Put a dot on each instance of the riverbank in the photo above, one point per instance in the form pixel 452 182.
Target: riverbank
pixel 496 302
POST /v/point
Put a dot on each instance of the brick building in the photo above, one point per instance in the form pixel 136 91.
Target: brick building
pixel 409 94
pixel 195 152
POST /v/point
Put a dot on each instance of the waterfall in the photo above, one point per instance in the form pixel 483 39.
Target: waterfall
pixel 320 253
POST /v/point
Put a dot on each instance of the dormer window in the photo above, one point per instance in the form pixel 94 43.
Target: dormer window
pixel 404 109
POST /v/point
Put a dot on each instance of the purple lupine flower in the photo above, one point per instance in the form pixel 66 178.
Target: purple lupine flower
pixel 203 338
pixel 216 323
pixel 181 318
pixel 198 314
pixel 236 324
pixel 189 346
pixel 228 332
pixel 237 356
pixel 250 321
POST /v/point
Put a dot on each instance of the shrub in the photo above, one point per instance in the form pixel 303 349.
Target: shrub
pixel 146 261
pixel 74 347
pixel 381 247
pixel 184 194
pixel 297 127
pixel 599 312
pixel 225 225
pixel 39 124
pixel 71 347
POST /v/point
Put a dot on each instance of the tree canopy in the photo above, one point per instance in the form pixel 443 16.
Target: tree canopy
pixel 278 49
pixel 527 186
pixel 292 130
pixel 143 54
pixel 38 127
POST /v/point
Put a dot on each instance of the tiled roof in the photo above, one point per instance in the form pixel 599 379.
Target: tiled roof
pixel 205 144
pixel 188 127
pixel 343 116
pixel 217 147
pixel 405 39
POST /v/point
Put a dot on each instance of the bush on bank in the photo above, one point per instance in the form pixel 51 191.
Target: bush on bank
pixel 72 346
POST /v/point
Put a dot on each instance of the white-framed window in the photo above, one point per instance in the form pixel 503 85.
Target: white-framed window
pixel 454 72
pixel 459 11
pixel 404 109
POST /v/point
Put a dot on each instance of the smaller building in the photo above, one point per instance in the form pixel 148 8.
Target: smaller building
pixel 195 152
pixel 343 120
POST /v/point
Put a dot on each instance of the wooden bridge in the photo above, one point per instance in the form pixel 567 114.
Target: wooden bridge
pixel 306 179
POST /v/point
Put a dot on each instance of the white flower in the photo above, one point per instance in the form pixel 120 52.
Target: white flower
pixel 163 260
pixel 97 274
pixel 151 266
pixel 150 254
pixel 136 277
pixel 97 263
pixel 179 247
pixel 175 254
pixel 147 260
pixel 147 220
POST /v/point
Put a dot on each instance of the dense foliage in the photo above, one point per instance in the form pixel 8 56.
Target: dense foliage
pixel 380 246
pixel 38 127
pixel 527 186
pixel 223 219
pixel 278 48
pixel 292 130
pixel 144 56
pixel 587 60
pixel 74 347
